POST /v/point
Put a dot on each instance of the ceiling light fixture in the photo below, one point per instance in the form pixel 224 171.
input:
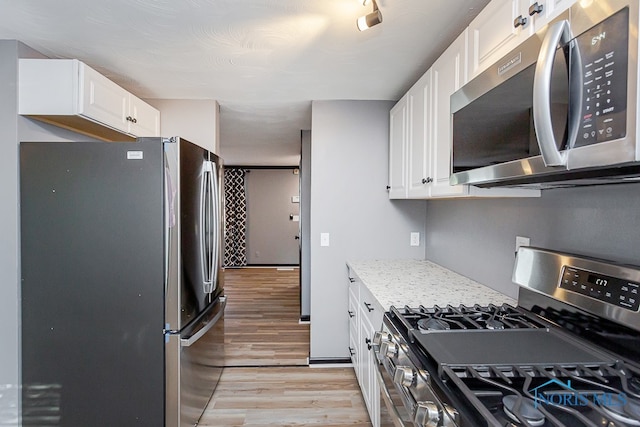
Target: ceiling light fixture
pixel 367 21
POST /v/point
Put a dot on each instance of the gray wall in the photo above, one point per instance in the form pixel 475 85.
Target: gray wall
pixel 349 164
pixel 270 232
pixel 477 237
pixel 14 129
pixel 305 224
pixel 9 248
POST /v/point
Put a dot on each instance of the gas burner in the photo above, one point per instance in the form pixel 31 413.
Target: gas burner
pixel 520 408
pixel 494 324
pixel 432 324
pixel 627 412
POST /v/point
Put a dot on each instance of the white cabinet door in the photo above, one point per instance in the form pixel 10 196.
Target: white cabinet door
pixel 370 387
pixel 448 75
pixel 102 100
pixel 492 34
pixel 503 24
pixel 143 119
pixel 418 141
pixel 354 329
pixel 556 7
pixel 397 149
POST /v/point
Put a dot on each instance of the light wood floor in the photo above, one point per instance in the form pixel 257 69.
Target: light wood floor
pixel 266 380
pixel 286 396
pixel 261 320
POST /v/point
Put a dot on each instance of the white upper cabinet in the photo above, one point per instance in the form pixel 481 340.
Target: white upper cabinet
pixel 420 134
pixel 398 137
pixel 501 26
pixel 419 126
pixel 409 143
pixel 100 99
pixel 448 75
pixel 144 120
pixel 68 93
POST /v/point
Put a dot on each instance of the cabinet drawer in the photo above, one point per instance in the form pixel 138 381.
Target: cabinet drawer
pixel 371 308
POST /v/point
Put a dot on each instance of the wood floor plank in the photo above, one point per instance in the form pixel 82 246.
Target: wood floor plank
pixel 266 380
pixel 261 322
pixel 286 396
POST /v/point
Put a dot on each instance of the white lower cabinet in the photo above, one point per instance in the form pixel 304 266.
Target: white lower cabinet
pixel 365 318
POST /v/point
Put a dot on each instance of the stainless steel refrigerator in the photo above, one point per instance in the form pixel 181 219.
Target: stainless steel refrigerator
pixel 122 286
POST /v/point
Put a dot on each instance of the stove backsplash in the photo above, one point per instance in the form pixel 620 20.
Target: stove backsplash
pixel 476 237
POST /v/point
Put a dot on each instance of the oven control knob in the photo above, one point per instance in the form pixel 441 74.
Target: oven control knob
pixel 427 414
pixel 453 417
pixel 379 337
pixel 404 376
pixel 389 349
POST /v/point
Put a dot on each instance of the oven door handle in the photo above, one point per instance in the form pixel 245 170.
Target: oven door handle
pixel 386 397
pixel 551 155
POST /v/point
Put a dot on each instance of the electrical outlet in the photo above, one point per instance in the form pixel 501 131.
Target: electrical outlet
pixel 415 239
pixel 324 239
pixel 522 241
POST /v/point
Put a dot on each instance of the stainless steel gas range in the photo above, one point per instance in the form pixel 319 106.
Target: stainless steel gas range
pixel 567 355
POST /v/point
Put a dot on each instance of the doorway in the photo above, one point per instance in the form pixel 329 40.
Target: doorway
pixel 273 216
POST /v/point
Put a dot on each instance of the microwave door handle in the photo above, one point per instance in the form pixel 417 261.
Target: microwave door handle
pixel 575 95
pixel 558 32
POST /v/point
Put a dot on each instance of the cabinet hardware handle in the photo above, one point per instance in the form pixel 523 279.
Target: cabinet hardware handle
pixel 351 314
pixel 427 180
pixel 519 21
pixel 368 342
pixel 388 187
pixel 134 120
pixel 352 351
pixel 351 279
pixel 129 118
pixel 535 8
pixel 369 307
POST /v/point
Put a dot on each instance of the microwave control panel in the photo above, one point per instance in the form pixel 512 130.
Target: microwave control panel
pixel 603 52
pixel 613 290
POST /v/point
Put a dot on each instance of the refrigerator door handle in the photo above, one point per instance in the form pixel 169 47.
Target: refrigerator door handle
pixel 189 341
pixel 216 225
pixel 169 216
pixel 205 223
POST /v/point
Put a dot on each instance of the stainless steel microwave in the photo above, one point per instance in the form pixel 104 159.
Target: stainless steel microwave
pixel 561 109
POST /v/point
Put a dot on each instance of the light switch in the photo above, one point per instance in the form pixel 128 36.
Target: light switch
pixel 324 239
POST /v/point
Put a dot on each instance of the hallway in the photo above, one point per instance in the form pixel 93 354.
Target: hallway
pixel 266 381
pixel 261 321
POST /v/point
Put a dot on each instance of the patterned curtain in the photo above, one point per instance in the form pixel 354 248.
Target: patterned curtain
pixel 235 245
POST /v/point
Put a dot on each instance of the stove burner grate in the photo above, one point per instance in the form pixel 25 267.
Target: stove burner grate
pixel 464 317
pixel 600 393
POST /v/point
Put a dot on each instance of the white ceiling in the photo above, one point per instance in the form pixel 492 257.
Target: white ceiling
pixel 264 61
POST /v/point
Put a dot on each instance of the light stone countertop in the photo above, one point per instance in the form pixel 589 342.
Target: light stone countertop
pixel 414 282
